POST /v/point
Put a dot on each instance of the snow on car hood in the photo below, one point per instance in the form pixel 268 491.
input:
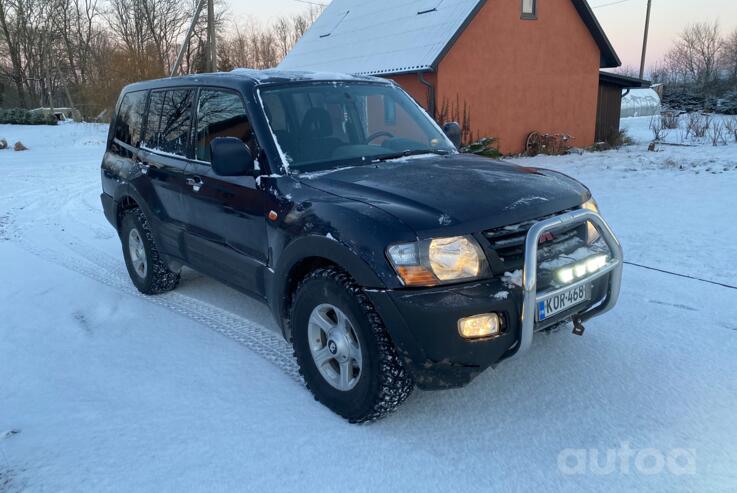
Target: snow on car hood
pixel 462 191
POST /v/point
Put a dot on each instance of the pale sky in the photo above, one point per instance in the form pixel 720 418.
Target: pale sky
pixel 623 22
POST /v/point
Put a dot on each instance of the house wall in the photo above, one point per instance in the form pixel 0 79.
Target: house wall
pixel 520 76
pixel 411 83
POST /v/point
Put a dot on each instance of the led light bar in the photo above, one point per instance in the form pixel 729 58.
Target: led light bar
pixel 570 273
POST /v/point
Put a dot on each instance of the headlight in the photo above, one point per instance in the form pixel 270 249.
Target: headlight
pixel 441 260
pixel 592 234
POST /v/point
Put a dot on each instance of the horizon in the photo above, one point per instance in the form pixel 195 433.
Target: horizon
pixel 622 20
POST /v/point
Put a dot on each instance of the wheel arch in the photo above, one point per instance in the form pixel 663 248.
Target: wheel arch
pixel 124 204
pixel 303 256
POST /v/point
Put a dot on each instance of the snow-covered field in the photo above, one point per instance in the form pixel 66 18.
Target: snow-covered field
pixel 102 389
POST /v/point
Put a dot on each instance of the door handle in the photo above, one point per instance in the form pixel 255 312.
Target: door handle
pixel 195 182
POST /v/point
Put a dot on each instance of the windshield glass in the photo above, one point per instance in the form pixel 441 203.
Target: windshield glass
pixel 326 125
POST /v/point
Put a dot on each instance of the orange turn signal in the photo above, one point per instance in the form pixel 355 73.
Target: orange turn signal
pixel 415 275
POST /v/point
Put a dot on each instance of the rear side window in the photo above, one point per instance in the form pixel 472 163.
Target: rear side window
pixel 169 122
pixel 221 114
pixel 129 123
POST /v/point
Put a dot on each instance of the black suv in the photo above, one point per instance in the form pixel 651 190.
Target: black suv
pixel 388 258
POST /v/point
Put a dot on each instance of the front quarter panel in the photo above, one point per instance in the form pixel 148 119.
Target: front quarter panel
pixel 309 217
pixel 316 224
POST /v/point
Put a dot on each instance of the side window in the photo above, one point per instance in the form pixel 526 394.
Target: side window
pixel 169 121
pixel 129 123
pixel 155 109
pixel 221 114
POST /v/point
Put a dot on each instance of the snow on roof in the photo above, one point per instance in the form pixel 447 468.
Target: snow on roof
pixel 380 36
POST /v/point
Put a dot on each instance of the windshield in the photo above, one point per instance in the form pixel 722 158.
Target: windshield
pixel 326 125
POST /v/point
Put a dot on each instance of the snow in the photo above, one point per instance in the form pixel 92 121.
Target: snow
pixel 513 279
pixel 573 257
pixel 445 220
pixel 285 159
pixel 525 201
pixel 265 75
pixel 103 389
pixel 379 37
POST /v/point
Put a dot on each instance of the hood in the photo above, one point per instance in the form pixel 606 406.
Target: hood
pixel 457 192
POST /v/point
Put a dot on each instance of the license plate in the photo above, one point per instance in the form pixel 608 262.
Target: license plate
pixel 552 305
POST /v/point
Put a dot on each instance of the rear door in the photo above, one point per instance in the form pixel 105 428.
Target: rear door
pixel 226 232
pixel 164 157
pixel 120 160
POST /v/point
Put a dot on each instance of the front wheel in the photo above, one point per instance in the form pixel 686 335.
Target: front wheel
pixel 343 350
pixel 148 271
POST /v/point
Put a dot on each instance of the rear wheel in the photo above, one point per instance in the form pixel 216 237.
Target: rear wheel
pixel 148 271
pixel 343 350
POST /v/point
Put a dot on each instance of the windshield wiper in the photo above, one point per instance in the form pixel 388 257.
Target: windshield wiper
pixel 407 153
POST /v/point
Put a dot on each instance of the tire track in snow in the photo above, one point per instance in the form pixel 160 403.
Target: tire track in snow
pixel 100 267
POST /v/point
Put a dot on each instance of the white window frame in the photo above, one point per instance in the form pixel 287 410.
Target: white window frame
pixel 529 15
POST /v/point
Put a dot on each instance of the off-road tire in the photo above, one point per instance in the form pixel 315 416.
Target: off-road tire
pixel 384 383
pixel 159 278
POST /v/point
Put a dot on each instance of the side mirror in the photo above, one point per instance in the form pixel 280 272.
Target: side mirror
pixel 231 157
pixel 453 131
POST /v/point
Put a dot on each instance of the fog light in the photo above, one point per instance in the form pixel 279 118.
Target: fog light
pixel 480 326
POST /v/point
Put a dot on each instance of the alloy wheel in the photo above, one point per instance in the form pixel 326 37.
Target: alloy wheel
pixel 335 347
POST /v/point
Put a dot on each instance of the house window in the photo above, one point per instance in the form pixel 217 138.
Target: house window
pixel 529 9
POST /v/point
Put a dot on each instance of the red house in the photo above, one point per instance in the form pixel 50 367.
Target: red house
pixel 514 66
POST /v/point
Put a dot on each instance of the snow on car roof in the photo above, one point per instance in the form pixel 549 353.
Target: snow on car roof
pixel 380 37
pixel 271 75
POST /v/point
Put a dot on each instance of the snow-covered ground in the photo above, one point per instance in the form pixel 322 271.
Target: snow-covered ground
pixel 102 389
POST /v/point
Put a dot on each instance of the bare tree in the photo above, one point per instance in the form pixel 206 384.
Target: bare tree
pixel 11 19
pixel 77 27
pixel 696 55
pixel 86 50
pixel 127 23
pixel 166 21
pixel 729 57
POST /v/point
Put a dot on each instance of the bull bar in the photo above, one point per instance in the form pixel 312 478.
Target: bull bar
pixel 614 266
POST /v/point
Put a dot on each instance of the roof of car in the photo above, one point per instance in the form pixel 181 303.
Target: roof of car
pixel 236 78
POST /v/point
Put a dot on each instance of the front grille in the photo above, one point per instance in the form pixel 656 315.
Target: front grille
pixel 508 244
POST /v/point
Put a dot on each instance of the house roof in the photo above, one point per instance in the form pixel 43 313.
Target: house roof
pixel 623 81
pixel 380 36
pixel 399 36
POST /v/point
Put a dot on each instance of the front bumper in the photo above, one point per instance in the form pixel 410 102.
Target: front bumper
pixel 423 322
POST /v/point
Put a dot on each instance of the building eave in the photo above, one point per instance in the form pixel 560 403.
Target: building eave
pixel 623 81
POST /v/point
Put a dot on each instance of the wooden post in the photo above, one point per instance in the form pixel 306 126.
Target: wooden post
pixel 644 42
pixel 185 43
